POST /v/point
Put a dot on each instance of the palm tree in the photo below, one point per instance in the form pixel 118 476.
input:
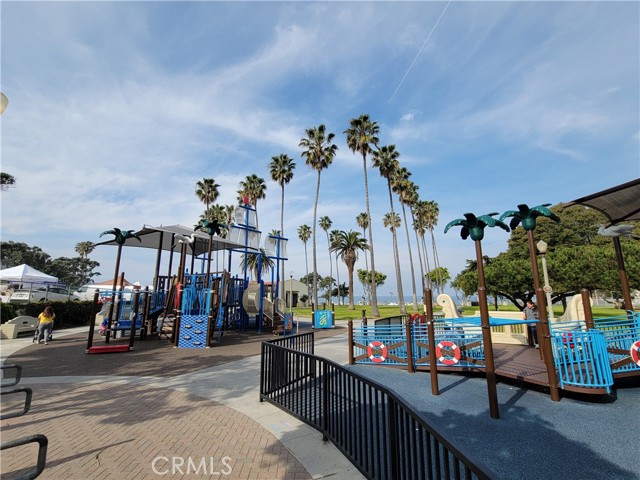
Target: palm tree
pixel 346 246
pixel 392 221
pixel 420 228
pixel 207 192
pixel 84 249
pixel 318 154
pixel 406 191
pixel 331 235
pixel 253 259
pixel 363 222
pixel 304 233
pixel 281 171
pixel 325 224
pixel 386 160
pixel 253 188
pixel 362 134
pixel 431 213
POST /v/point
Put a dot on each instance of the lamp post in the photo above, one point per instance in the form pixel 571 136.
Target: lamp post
pixel 542 249
pixel 291 298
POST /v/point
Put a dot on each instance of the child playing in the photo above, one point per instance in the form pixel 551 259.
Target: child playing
pixel 45 324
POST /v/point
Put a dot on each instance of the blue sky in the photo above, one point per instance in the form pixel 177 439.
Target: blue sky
pixel 118 108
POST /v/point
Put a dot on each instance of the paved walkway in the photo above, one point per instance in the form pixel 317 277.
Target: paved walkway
pixel 198 423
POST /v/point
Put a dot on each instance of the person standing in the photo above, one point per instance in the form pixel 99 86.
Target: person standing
pixel 45 324
pixel 530 312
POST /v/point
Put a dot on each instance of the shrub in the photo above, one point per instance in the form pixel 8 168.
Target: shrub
pixel 68 314
pixel 7 311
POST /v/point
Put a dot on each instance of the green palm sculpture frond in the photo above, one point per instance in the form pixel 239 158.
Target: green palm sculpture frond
pixel 473 226
pixel 210 227
pixel 121 236
pixel 528 216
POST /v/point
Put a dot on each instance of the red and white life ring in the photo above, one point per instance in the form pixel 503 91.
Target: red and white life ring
pixel 416 318
pixel 379 346
pixel 634 350
pixel 448 360
pixel 567 339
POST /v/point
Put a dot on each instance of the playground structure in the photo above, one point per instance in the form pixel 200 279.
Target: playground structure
pixel 589 355
pixel 193 310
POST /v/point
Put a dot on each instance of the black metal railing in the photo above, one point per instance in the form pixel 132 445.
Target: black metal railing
pixel 41 440
pixel 377 431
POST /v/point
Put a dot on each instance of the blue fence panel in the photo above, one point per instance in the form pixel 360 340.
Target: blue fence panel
pixel 457 345
pixel 622 335
pixel 383 345
pixel 581 358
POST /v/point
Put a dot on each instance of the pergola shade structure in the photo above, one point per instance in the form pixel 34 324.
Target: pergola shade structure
pixel 618 204
pixel 150 238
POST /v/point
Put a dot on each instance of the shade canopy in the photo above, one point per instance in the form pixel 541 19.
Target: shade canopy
pixel 618 204
pixel 167 238
pixel 26 274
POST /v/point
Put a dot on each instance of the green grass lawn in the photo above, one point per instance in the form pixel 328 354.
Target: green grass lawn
pixel 342 312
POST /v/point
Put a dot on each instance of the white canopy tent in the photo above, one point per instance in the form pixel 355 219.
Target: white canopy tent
pixel 26 274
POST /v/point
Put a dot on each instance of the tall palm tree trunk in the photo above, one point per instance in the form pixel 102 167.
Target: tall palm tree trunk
pixel 315 260
pixel 403 307
pixel 306 261
pixel 281 269
pixel 426 259
pixel 436 260
pixel 330 268
pixel 421 261
pixel 350 273
pixel 366 261
pixel 338 277
pixel 413 273
pixel 374 295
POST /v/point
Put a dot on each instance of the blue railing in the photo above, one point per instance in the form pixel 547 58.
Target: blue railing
pixel 621 334
pixel 581 358
pixel 455 345
pixel 380 344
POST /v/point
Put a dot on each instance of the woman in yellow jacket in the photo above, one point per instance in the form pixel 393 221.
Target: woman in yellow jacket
pixel 45 324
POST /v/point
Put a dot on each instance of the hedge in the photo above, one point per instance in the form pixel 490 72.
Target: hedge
pixel 68 314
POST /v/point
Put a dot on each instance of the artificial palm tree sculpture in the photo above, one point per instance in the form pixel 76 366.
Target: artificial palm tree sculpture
pixel 121 236
pixel 362 135
pixel 527 217
pixel 473 227
pixel 304 234
pixel 346 246
pixel 319 151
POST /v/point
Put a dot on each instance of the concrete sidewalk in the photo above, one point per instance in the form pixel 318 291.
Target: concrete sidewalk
pixel 152 427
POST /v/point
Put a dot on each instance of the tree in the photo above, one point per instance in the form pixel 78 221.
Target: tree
pixel 440 277
pixel 578 258
pixel 256 263
pixel 73 271
pixel 207 192
pixel 419 225
pixel 408 194
pixel 362 135
pixel 16 253
pixel 332 235
pixel 253 188
pixel 304 233
pixel 327 285
pixel 430 217
pixel 6 181
pixel 346 245
pixel 363 222
pixel 84 249
pixel 318 153
pixel 392 221
pixel 325 224
pixel 341 290
pixel 365 278
pixel 281 171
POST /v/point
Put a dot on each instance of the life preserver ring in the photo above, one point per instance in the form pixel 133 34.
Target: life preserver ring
pixel 567 339
pixel 416 318
pixel 383 351
pixel 634 350
pixel 448 360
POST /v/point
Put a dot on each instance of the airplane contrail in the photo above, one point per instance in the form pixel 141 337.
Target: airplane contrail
pixel 416 57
